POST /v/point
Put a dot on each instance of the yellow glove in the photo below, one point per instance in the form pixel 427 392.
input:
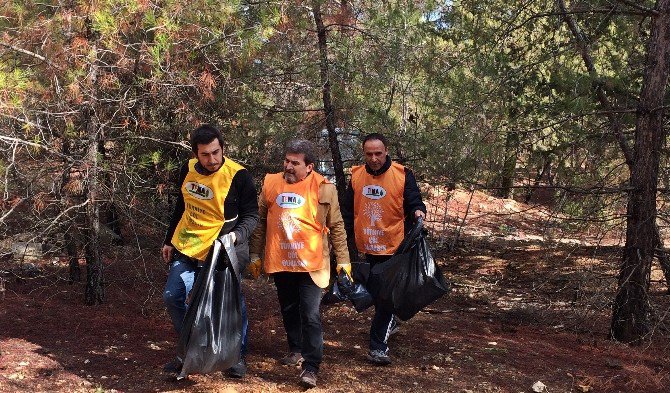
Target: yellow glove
pixel 344 266
pixel 255 268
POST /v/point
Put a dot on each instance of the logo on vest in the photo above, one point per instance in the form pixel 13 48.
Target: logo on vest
pixel 374 192
pixel 199 191
pixel 289 200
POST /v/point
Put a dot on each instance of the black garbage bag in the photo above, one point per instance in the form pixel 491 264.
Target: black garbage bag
pixel 354 291
pixel 360 271
pixel 333 295
pixel 410 280
pixel 212 334
pixel 344 289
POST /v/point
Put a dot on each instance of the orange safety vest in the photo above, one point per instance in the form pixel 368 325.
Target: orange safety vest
pixel 294 237
pixel 378 209
pixel 203 218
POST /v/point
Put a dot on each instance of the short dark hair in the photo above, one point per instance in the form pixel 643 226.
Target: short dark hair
pixel 375 136
pixel 204 135
pixel 302 146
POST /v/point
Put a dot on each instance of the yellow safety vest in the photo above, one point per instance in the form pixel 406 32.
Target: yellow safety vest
pixel 203 217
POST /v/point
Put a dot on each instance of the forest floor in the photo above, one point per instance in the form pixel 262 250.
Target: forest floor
pixel 529 304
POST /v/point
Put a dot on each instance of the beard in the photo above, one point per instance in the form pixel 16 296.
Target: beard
pixel 290 177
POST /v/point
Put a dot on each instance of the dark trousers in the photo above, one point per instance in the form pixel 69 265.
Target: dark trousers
pixel 299 299
pixel 381 322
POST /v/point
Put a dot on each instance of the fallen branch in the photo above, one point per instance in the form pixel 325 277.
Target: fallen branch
pixel 455 284
pixel 436 311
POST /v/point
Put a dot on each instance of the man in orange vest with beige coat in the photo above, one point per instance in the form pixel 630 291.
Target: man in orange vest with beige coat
pixel 379 207
pixel 298 209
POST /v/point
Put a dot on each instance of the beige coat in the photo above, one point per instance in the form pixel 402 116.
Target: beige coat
pixel 328 213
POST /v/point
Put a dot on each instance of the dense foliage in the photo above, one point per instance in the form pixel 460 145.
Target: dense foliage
pixel 97 99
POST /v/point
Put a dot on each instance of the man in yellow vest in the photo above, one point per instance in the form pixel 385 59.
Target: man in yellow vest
pixel 298 209
pixel 380 203
pixel 217 197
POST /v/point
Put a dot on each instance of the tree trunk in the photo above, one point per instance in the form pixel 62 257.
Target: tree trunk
pixel 327 102
pixel 662 256
pixel 94 293
pixel 509 166
pixel 598 86
pixel 631 306
pixel 70 235
pixel 546 168
pixel 71 248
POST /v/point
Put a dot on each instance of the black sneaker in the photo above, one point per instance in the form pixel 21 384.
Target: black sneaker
pixel 378 357
pixel 174 367
pixel 239 370
pixel 292 359
pixel 308 379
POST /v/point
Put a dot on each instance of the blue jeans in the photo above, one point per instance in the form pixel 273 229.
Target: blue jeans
pixel 181 277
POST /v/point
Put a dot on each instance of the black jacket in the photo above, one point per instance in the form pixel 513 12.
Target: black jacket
pixel 411 200
pixel 240 210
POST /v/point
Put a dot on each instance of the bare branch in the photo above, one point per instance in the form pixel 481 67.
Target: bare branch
pixel 7 169
pixel 28 53
pixel 24 121
pixel 55 220
pixel 9 139
pixel 635 5
pixel 178 144
pixel 11 210
pixel 143 212
pixel 642 11
pixel 346 26
pixel 582 45
pixel 277 109
pixel 14 141
pixel 579 116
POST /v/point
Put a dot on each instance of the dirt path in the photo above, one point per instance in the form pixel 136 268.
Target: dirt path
pixel 519 314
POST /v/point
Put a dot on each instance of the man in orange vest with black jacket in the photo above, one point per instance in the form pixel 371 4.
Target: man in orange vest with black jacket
pixel 298 209
pixel 380 204
pixel 217 198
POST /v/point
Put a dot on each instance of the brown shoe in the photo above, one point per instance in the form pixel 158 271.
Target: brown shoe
pixel 292 359
pixel 308 379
